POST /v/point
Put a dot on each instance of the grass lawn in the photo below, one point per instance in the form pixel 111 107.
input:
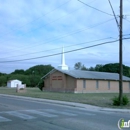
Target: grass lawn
pixel 98 99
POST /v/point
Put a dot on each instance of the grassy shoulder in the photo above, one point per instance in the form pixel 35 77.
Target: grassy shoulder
pixel 97 99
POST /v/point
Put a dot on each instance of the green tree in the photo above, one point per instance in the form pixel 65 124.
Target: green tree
pixel 1 74
pixel 31 77
pixel 98 67
pixel 39 70
pixel 21 71
pixel 83 68
pixel 79 66
pixel 3 80
pixel 91 69
pixel 114 68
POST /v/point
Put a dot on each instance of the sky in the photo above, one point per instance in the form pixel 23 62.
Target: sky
pixel 40 28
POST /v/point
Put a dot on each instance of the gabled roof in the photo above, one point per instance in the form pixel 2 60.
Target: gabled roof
pixel 14 80
pixel 52 71
pixel 80 74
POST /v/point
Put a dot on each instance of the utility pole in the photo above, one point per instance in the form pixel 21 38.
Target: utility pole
pixel 120 55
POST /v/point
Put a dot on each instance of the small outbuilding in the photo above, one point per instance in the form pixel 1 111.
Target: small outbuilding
pixel 13 83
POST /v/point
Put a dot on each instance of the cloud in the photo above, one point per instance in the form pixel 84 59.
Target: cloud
pixel 32 26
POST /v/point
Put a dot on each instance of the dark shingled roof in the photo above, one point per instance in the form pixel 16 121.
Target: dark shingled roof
pixel 90 74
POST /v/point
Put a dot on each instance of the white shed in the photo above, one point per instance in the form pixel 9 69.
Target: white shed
pixel 13 83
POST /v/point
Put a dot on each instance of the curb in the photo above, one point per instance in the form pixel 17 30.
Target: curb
pixel 116 110
pixel 72 104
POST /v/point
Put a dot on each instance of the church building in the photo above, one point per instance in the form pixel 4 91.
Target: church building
pixel 62 79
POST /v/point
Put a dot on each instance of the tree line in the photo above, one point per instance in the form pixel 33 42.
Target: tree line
pixel 111 67
pixel 32 76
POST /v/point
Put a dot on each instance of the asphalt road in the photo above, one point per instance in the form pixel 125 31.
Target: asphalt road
pixel 24 114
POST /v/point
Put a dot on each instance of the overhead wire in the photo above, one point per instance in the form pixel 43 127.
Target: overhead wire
pixel 65 51
pixel 66 35
pixel 94 8
pixel 57 48
pixel 33 58
pixel 118 26
pixel 125 38
pixel 38 44
pixel 75 32
pixel 125 34
pixel 127 20
pixel 43 15
pixel 31 31
pixel 47 13
pixel 51 12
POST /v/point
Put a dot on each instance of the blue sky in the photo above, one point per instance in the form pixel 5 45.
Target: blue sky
pixel 34 28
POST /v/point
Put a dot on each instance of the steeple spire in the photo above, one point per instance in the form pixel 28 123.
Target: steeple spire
pixel 63 66
pixel 63 57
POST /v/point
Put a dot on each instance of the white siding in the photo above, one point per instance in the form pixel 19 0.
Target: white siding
pixel 13 83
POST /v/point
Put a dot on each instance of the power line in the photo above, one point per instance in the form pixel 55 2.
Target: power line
pixel 74 32
pixel 56 38
pixel 60 53
pixel 57 48
pixel 95 8
pixel 52 11
pixel 126 38
pixel 125 34
pixel 49 22
pixel 114 15
pixel 43 15
pixel 47 13
pixel 127 20
pixel 66 35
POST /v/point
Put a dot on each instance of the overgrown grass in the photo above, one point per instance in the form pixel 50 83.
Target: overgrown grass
pixel 98 99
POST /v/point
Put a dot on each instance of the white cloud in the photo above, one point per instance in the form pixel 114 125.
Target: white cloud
pixel 33 26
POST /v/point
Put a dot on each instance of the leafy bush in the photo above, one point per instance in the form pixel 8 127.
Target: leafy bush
pixel 125 100
pixel 116 101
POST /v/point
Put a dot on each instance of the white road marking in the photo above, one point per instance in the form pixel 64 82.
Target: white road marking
pixel 3 119
pixel 60 112
pixel 20 115
pixel 82 113
pixel 41 113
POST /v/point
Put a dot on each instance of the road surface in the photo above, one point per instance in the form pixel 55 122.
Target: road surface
pixel 26 114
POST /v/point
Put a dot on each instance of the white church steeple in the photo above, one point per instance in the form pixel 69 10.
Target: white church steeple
pixel 63 66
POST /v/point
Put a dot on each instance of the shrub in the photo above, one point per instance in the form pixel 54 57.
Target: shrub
pixel 125 100
pixel 116 101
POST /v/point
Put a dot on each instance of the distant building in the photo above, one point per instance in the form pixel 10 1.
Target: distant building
pixel 62 79
pixel 13 83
